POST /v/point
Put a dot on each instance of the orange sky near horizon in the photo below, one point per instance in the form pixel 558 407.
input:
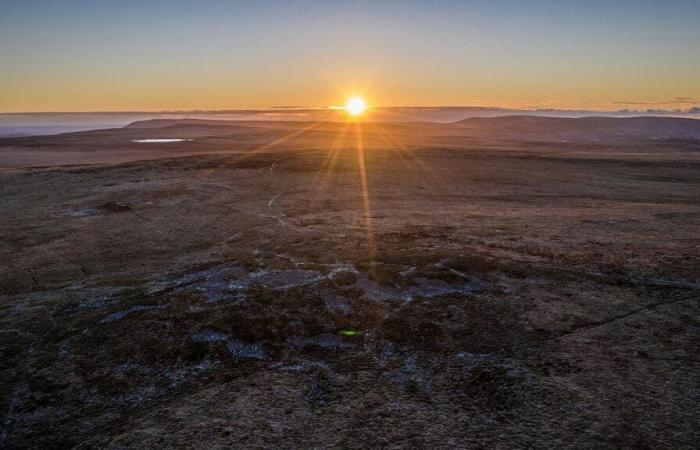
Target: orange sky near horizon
pixel 93 56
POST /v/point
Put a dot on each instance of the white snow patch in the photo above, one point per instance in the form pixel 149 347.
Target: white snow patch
pixel 159 141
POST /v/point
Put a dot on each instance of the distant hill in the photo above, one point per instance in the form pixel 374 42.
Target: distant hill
pixel 213 125
pixel 162 123
pixel 581 129
pixel 511 128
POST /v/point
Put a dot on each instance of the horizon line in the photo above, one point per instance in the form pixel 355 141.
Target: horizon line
pixel 690 110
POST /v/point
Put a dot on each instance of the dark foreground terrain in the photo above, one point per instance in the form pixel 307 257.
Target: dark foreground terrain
pixel 349 286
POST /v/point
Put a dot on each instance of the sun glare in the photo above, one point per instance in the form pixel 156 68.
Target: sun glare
pixel 355 106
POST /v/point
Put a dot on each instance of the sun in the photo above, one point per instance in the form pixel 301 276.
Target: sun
pixel 355 106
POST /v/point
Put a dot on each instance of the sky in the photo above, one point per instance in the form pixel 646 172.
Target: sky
pixel 97 55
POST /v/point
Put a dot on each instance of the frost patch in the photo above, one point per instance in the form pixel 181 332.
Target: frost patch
pixel 285 279
pixel 323 341
pixel 82 212
pixel 336 304
pixel 209 336
pixel 301 366
pixel 428 288
pixel 180 376
pixel 244 350
pixel 474 356
pixel 230 282
pixel 238 349
pixel 125 312
pixel 214 282
pixel 413 378
pixel 421 287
